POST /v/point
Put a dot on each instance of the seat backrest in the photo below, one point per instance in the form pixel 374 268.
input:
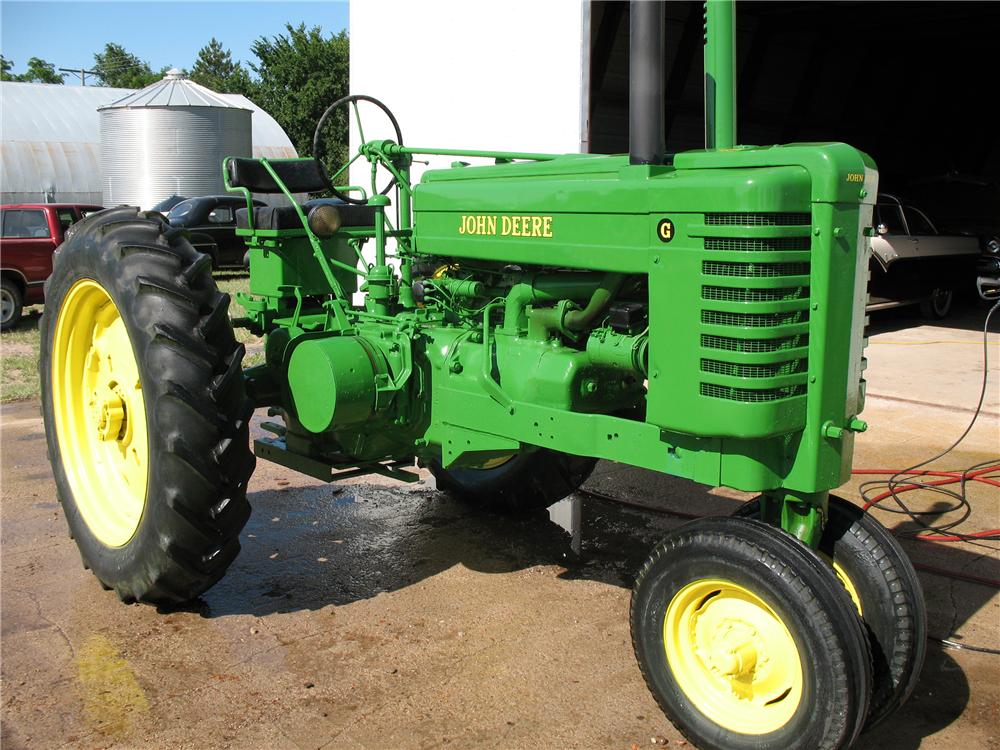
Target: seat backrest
pixel 299 175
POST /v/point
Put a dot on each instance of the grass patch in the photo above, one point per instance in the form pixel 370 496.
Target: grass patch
pixel 20 377
pixel 233 283
pixel 19 358
pixel 19 347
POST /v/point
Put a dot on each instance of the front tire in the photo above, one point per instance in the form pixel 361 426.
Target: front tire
pixel 526 481
pixel 884 588
pixel 147 420
pixel 747 640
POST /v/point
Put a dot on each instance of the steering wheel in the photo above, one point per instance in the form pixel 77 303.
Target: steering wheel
pixel 352 101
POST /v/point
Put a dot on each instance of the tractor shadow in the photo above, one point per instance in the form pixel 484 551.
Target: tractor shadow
pixel 310 547
pixel 938 700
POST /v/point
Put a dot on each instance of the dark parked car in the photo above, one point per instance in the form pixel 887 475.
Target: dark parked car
pixel 988 271
pixel 30 234
pixel 166 204
pixel 211 219
pixel 963 204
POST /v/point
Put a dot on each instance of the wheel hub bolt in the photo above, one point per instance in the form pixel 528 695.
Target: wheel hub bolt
pixel 110 416
pixel 735 661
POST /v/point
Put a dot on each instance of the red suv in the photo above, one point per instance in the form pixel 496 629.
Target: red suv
pixel 30 233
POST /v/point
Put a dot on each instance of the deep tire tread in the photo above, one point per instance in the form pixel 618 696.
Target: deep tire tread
pixel 197 409
pixel 187 345
pixel 219 316
pixel 148 285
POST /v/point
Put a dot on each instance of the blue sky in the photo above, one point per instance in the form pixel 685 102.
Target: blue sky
pixel 68 34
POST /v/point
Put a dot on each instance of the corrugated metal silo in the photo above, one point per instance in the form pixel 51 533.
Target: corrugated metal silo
pixel 169 139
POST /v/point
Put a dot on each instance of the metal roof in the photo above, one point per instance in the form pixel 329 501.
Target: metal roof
pixel 175 90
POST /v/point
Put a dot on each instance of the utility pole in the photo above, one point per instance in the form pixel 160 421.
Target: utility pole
pixel 83 74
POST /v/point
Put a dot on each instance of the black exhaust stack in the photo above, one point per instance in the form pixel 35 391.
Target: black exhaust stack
pixel 647 141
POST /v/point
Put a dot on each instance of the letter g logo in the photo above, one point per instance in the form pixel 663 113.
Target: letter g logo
pixel 665 230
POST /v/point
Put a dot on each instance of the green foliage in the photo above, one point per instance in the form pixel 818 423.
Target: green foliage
pixel 5 66
pixel 215 69
pixel 39 71
pixel 119 68
pixel 301 72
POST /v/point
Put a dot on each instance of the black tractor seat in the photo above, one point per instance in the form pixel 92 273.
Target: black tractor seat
pixel 284 217
pixel 298 175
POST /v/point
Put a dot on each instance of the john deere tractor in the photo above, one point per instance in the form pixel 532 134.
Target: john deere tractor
pixel 698 314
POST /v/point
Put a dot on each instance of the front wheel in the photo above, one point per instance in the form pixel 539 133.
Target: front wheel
pixel 747 640
pixel 886 592
pixel 147 420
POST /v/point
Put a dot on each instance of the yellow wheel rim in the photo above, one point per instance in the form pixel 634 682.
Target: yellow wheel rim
pixel 733 657
pixel 493 463
pixel 100 413
pixel 845 581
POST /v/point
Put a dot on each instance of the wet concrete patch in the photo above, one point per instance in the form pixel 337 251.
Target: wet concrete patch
pixel 321 546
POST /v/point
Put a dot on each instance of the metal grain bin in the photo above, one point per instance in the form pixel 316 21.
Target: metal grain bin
pixel 169 139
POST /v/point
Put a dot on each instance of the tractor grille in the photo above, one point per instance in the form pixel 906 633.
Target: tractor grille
pixel 753 270
pixel 788 367
pixel 757 220
pixel 751 395
pixel 755 346
pixel 753 320
pixel 745 245
pixel 755 311
pixel 729 294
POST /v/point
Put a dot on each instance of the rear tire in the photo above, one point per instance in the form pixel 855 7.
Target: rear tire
pixel 526 481
pixel 149 441
pixel 747 640
pixel 11 304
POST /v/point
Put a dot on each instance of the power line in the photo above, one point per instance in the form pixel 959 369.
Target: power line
pixel 82 72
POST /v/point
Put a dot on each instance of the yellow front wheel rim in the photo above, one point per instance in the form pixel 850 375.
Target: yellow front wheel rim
pixel 100 413
pixel 732 656
pixel 493 463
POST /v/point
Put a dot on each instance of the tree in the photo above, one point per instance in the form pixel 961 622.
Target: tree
pixel 301 72
pixel 119 68
pixel 39 71
pixel 215 69
pixel 5 66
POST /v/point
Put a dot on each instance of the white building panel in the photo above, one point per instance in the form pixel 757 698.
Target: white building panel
pixel 508 76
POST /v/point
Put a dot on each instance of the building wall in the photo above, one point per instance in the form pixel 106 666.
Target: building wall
pixel 493 75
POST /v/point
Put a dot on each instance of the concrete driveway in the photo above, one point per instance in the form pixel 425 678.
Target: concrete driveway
pixel 370 615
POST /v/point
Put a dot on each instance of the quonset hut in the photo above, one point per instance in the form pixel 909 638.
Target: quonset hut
pixel 51 141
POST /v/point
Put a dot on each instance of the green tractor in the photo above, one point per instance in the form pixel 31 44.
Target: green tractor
pixel 698 314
